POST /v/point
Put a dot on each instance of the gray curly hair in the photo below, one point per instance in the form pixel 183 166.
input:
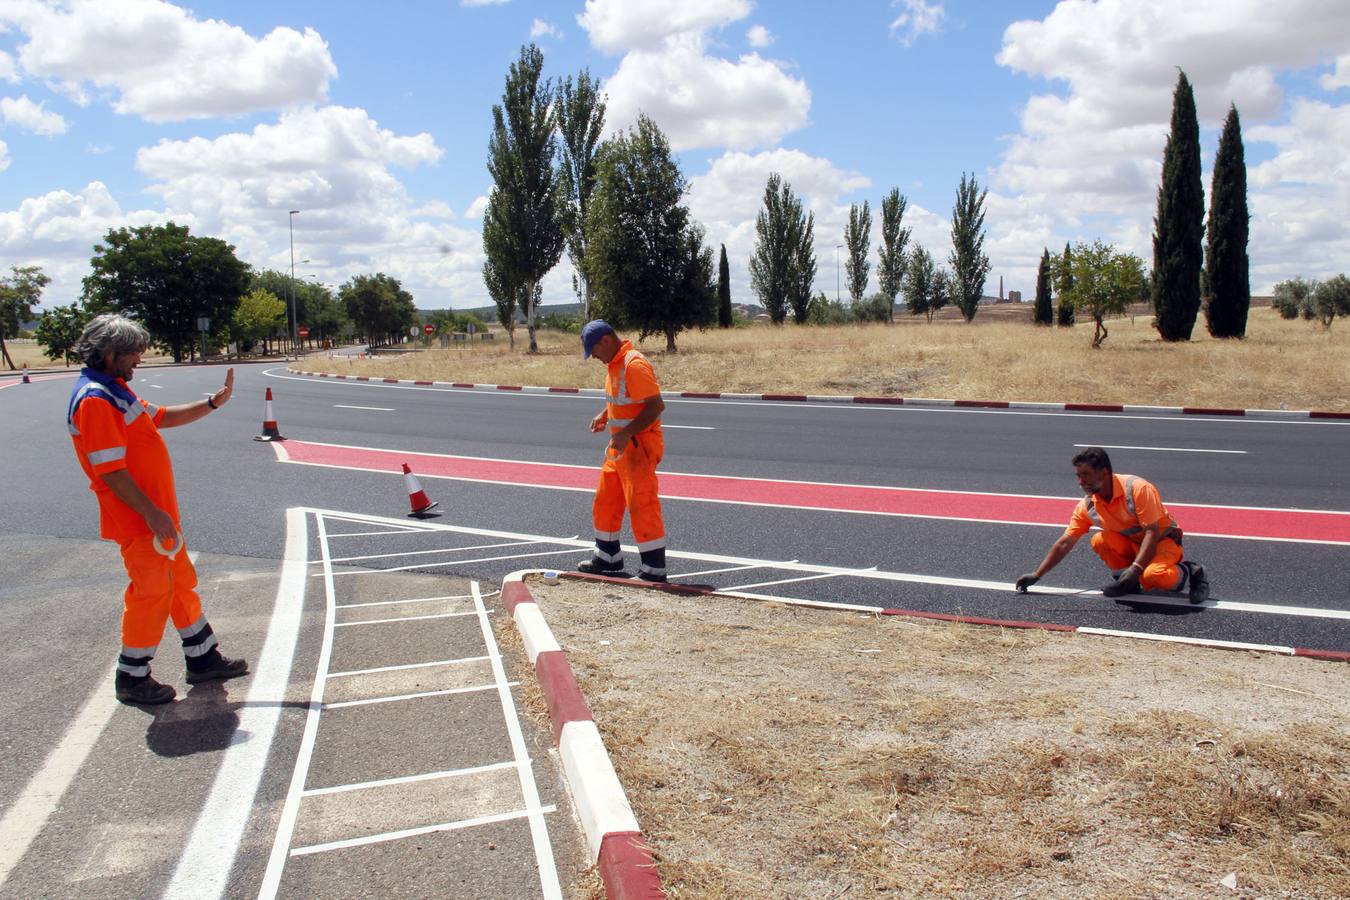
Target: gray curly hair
pixel 111 331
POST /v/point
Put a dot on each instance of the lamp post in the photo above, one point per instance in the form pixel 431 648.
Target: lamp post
pixel 837 247
pixel 290 220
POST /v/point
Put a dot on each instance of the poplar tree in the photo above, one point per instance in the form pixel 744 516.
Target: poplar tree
pixel 784 251
pixel 723 291
pixel 523 218
pixel 1064 287
pixel 1044 314
pixel 892 262
pixel 1178 229
pixel 970 265
pixel 580 112
pixel 1226 266
pixel 857 241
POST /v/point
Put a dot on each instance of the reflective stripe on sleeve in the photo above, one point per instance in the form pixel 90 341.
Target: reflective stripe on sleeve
pixel 99 457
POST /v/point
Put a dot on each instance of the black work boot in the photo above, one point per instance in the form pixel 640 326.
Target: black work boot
pixel 1129 584
pixel 213 666
pixel 594 566
pixel 145 690
pixel 1199 591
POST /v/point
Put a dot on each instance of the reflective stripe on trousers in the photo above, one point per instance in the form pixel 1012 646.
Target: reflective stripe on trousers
pixel 160 587
pixel 629 483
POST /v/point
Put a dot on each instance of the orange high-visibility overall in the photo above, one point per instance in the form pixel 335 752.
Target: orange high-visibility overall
pixel 114 429
pixel 1135 504
pixel 628 481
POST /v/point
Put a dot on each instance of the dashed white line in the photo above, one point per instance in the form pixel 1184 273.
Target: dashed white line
pixel 432 829
pixel 409 779
pixel 421 665
pixel 371 408
pixel 396 698
pixel 1163 449
pixel 458 615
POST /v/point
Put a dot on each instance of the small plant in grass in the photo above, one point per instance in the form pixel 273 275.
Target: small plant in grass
pixel 1293 297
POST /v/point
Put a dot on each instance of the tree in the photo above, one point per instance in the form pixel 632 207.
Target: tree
pixel 379 307
pixel 580 112
pixel 525 222
pixel 1105 283
pixel 1293 297
pixel 59 330
pixel 892 262
pixel 922 291
pixel 857 241
pixel 970 265
pixel 166 279
pixel 803 272
pixel 1331 298
pixel 259 314
pixel 783 249
pixel 1178 229
pixel 645 259
pixel 19 293
pixel 1226 267
pixel 723 291
pixel 1063 278
pixel 1044 313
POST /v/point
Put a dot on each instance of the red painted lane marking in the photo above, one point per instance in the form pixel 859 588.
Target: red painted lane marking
pixel 1296 525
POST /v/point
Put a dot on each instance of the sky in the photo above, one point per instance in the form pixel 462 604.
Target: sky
pixel 374 121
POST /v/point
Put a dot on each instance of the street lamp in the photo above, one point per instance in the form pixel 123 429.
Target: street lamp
pixel 290 220
pixel 837 247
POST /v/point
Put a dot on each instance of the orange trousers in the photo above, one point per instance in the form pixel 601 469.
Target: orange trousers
pixel 160 587
pixel 629 482
pixel 1118 552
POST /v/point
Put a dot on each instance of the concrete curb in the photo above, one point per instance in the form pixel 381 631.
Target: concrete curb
pixel 874 401
pixel 617 847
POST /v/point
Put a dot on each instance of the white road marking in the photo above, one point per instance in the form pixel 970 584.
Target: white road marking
pixel 700 574
pixel 689 427
pixel 458 615
pixel 401 602
pixel 204 868
pixel 1163 449
pixel 29 813
pixel 461 562
pixel 817 577
pixel 408 779
pixel 432 829
pixel 343 559
pixel 543 847
pixel 395 698
pixel 371 408
pixel 422 665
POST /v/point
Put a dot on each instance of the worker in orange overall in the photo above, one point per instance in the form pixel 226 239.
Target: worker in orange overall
pixel 1138 539
pixel 117 441
pixel 632 414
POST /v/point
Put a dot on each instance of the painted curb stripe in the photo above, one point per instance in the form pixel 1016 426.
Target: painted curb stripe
pixel 627 868
pixel 561 692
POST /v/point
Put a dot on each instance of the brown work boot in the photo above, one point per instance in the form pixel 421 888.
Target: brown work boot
pixel 145 690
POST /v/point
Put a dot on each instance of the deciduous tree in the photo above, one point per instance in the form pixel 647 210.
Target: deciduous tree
pixel 784 250
pixel 970 264
pixel 19 293
pixel 379 307
pixel 1226 265
pixel 59 330
pixel 857 241
pixel 893 259
pixel 580 111
pixel 1105 283
pixel 1178 229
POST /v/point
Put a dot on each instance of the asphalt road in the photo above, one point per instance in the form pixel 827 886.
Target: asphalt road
pixel 235 494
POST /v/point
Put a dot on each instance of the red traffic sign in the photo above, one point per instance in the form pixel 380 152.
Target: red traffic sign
pixel 303 331
pixel 429 328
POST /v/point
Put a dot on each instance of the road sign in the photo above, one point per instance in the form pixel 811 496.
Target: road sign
pixel 429 328
pixel 471 328
pixel 303 331
pixel 412 332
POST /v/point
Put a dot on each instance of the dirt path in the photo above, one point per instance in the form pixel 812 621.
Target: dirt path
pixel 780 751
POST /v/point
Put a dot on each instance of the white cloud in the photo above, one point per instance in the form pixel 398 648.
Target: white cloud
pixel 919 18
pixel 758 36
pixel 7 72
pixel 733 186
pixel 618 25
pixel 704 101
pixel 540 28
pixel 31 116
pixel 477 208
pixel 4 156
pixel 1340 77
pixel 157 61
pixel 97 149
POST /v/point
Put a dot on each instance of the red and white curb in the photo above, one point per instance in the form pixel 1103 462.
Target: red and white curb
pixel 612 834
pixel 1026 405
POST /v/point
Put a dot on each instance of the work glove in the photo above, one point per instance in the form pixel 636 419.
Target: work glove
pixel 1127 583
pixel 1025 582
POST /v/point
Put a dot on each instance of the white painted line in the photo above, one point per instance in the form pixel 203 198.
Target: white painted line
pixel 400 602
pixel 673 576
pixel 333 537
pixel 1199 642
pixel 29 813
pixel 276 861
pixel 817 577
pixel 408 779
pixel 399 697
pixel 457 615
pixel 543 847
pixel 204 868
pixel 689 427
pixel 421 665
pixel 371 408
pixel 430 829
pixel 1166 449
pixel 462 562
pixel 344 559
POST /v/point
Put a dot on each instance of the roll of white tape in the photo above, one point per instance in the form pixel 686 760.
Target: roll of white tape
pixel 550 577
pixel 177 546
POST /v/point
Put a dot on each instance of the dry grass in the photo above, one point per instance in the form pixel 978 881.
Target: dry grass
pixel 1291 365
pixel 774 751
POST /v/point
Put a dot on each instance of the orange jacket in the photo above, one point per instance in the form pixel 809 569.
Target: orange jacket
pixel 1134 505
pixel 114 429
pixel 629 382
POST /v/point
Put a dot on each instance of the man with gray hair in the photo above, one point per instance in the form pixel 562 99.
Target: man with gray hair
pixel 117 441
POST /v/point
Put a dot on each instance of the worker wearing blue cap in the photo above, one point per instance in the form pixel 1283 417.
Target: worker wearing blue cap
pixel 632 414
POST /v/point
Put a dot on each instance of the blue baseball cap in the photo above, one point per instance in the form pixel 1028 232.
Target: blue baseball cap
pixel 591 334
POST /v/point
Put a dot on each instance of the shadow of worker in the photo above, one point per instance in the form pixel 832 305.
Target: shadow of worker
pixel 203 721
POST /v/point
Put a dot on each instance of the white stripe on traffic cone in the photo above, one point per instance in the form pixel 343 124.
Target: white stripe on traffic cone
pixel 417 498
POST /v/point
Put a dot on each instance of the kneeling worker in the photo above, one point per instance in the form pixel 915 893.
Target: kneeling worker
pixel 1139 541
pixel 628 477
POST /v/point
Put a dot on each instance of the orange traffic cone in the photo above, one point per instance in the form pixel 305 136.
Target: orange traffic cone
pixel 26 379
pixel 269 429
pixel 417 497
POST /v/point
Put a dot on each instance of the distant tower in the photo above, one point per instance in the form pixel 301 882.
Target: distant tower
pixel 1000 287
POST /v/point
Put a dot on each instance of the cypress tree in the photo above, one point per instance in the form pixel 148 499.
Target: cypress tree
pixel 1043 315
pixel 723 291
pixel 1178 230
pixel 1230 293
pixel 1064 317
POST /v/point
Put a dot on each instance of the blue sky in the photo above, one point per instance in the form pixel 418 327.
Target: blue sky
pixel 223 116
